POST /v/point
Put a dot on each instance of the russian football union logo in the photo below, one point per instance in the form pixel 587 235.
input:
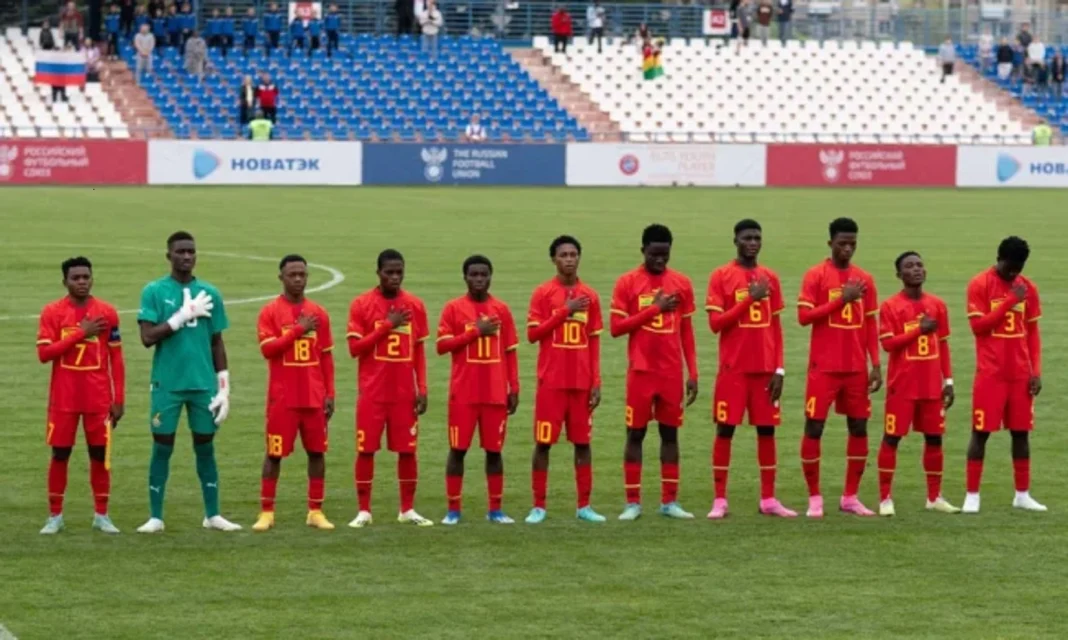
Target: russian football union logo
pixel 434 160
pixel 629 164
pixel 8 155
pixel 832 159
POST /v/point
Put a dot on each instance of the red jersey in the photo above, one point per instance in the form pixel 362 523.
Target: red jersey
pixel 656 347
pixel 480 369
pixel 565 359
pixel 915 372
pixel 81 367
pixel 387 372
pixel 298 377
pixel 839 340
pixel 754 343
pixel 1003 353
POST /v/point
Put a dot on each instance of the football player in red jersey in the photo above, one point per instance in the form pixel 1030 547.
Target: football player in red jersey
pixel 653 306
pixel 79 335
pixel 565 321
pixel 1003 310
pixel 914 331
pixel 479 332
pixel 744 304
pixel 838 300
pixel 296 341
pixel 387 332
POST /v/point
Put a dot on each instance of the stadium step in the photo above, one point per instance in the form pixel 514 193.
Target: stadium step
pixel 1005 101
pixel 136 108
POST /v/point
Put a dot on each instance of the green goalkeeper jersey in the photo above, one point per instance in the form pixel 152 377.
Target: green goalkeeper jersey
pixel 183 360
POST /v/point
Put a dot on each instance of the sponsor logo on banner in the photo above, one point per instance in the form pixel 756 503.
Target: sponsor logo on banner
pixel 1012 166
pixel 716 22
pixel 1007 167
pixel 665 165
pixel 812 165
pixel 240 162
pixel 73 162
pixel 495 164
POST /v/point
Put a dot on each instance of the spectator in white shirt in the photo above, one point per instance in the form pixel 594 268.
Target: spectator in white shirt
pixel 986 51
pixel 92 61
pixel 475 131
pixel 1036 55
pixel 595 18
pixel 145 44
pixel 431 22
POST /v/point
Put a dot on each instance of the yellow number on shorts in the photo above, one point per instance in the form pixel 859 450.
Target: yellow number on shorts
pixel 810 406
pixel 393 343
pixel 81 346
pixel 721 409
pixel 923 346
pixel 543 432
pixel 755 313
pixel 454 437
pixel 979 419
pixel 274 446
pixel 302 350
pixel 847 313
pixel 360 437
pixel 629 416
pixel 890 423
pixel 572 333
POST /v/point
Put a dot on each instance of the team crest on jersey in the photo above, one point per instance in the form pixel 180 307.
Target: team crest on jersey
pixel 741 294
pixel 646 299
pixel 834 294
pixel 580 316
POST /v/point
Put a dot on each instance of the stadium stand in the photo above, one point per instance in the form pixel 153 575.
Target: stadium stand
pixel 801 92
pixel 381 89
pixel 26 109
pixel 1053 109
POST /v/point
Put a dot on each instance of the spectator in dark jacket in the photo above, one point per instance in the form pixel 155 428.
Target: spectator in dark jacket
pixel 405 17
pixel 562 29
pixel 46 41
pixel 785 17
pixel 127 11
pixel 174 27
pixel 1006 58
pixel 112 27
pixel 296 35
pixel 157 9
pixel 315 35
pixel 246 100
pixel 1056 76
pixel 250 24
pixel 272 24
pixel 332 23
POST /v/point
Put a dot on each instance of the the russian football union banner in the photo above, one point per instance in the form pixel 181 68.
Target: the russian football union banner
pixel 240 162
pixel 859 165
pixel 41 161
pixel 716 22
pixel 492 164
pixel 665 164
pixel 1012 167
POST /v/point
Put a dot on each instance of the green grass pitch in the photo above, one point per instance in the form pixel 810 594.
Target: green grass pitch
pixel 1000 574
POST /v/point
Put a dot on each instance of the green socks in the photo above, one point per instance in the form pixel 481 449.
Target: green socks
pixel 209 477
pixel 159 468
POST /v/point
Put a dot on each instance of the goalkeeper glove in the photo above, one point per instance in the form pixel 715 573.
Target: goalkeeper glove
pixel 192 308
pixel 220 404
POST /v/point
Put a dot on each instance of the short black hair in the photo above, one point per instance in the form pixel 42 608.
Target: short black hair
pixel 901 258
pixel 561 240
pixel 656 233
pixel 178 236
pixel 387 255
pixel 843 225
pixel 79 261
pixel 477 259
pixel 293 257
pixel 1014 249
pixel 746 225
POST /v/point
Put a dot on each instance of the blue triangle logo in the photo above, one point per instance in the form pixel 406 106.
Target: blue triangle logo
pixel 204 163
pixel 1007 167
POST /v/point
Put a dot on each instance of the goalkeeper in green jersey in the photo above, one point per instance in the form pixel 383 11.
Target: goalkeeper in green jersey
pixel 183 318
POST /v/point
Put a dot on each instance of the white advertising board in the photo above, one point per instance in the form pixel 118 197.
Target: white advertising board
pixel 666 165
pixel 1012 167
pixel 269 163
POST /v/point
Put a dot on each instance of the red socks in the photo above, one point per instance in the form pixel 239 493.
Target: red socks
pixel 933 461
pixel 632 481
pixel 100 481
pixel 887 462
pixel 973 474
pixel 583 484
pixel 1021 473
pixel 767 460
pixel 268 489
pixel 407 479
pixel 365 475
pixel 495 489
pixel 810 464
pixel 316 491
pixel 721 463
pixel 539 485
pixel 669 482
pixel 454 488
pixel 57 485
pixel 856 460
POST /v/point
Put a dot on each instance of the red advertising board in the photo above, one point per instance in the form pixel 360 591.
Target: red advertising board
pixel 858 165
pixel 59 162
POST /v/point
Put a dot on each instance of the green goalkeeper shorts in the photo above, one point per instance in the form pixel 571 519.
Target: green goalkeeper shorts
pixel 167 409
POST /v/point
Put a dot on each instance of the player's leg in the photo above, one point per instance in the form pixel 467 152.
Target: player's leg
pixel 820 391
pixel 402 438
pixel 269 474
pixel 98 439
pixel 854 402
pixel 668 412
pixel 281 431
pixel 1020 421
pixel 165 410
pixel 728 408
pixel 766 417
pixel 313 438
pixel 639 411
pixel 897 420
pixel 549 410
pixel 989 403
pixel 931 422
pixel 371 420
pixel 202 424
pixel 579 421
pixel 492 427
pixel 462 419
pixel 60 434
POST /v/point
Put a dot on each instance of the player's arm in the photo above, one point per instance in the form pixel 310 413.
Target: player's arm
pixel 1034 337
pixel 871 321
pixel 984 323
pixel 116 364
pixel 541 324
pixel 890 337
pixel 596 328
pixel 807 310
pixel 326 355
pixel 419 351
pixel 621 322
pixel 510 343
pixel 49 346
pixel 449 338
pixel 274 341
pixel 719 317
pixel 361 341
pixel 689 345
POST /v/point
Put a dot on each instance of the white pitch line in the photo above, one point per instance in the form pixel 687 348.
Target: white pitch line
pixel 336 276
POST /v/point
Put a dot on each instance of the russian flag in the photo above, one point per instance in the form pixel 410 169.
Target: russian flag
pixel 60 68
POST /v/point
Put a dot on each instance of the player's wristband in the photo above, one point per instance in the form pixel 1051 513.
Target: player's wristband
pixel 780 371
pixel 949 382
pixel 223 378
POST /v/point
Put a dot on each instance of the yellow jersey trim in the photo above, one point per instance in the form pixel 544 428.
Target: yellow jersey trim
pixel 805 303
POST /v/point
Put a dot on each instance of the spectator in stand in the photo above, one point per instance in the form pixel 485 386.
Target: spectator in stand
pixel 174 27
pixel 250 24
pixel 246 100
pixel 1042 135
pixel 127 12
pixel 161 29
pixel 764 13
pixel 986 51
pixel 1056 75
pixel 260 129
pixel 315 34
pixel 475 132
pixel 405 10
pixel 332 22
pixel 196 55
pixel 272 24
pixel 1023 40
pixel 296 35
pixel 785 17
pixel 739 12
pixel 157 9
pixel 92 61
pixel 947 55
pixel 189 24
pixel 431 21
pixel 1005 57
pixel 562 29
pixel 59 92
pixel 112 26
pixel 1036 58
pixel 595 19
pixel 226 30
pixel 144 46
pixel 46 41
pixel 72 25
pixel 141 18
pixel 213 29
pixel 267 96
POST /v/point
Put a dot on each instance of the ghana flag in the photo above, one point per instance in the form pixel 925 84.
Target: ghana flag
pixel 651 67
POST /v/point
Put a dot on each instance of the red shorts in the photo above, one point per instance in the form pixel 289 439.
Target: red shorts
pixel 491 420
pixel 62 428
pixel 924 416
pixel 397 419
pixel 554 407
pixel 653 397
pixel 283 424
pixel 997 402
pixel 848 392
pixel 744 393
